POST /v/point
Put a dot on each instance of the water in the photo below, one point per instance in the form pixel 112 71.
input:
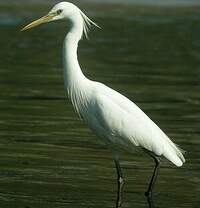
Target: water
pixel 48 157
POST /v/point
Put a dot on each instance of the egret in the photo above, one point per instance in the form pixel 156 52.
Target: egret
pixel 115 119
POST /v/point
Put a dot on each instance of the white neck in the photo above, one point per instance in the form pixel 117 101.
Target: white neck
pixel 73 75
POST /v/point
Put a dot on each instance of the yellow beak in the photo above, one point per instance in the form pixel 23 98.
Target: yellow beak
pixel 42 20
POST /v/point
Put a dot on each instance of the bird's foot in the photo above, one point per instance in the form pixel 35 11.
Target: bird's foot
pixel 121 182
pixel 119 204
pixel 120 189
pixel 149 194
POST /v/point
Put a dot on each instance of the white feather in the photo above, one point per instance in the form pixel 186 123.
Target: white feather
pixel 87 24
pixel 120 122
pixel 112 116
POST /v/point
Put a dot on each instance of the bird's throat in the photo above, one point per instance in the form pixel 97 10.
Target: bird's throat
pixel 73 75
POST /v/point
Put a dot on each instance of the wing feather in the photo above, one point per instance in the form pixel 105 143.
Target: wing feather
pixel 123 122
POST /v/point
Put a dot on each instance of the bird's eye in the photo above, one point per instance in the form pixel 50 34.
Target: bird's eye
pixel 59 11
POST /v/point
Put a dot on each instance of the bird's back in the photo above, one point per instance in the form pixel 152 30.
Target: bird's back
pixel 119 121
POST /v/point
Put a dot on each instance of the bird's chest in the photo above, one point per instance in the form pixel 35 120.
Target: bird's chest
pixel 85 106
pixel 90 114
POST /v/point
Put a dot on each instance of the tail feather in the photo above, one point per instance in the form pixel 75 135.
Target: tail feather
pixel 174 153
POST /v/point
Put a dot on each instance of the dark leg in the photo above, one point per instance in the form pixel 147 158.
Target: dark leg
pixel 148 193
pixel 120 182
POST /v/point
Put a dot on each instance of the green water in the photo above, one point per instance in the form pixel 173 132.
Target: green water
pixel 48 157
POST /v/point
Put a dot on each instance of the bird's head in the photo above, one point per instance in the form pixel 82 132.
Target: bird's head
pixel 63 10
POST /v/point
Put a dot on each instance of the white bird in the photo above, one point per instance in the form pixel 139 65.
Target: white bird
pixel 113 117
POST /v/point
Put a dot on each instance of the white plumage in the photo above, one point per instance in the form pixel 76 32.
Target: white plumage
pixel 119 121
pixel 112 116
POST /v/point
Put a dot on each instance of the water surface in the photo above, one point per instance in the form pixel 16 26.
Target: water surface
pixel 48 157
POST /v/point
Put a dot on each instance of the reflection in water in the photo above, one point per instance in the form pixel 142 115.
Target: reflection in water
pixel 150 202
pixel 149 192
pixel 48 157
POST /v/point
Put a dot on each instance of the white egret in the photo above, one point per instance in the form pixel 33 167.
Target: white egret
pixel 113 117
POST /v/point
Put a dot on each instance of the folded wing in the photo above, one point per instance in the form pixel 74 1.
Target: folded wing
pixel 125 123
